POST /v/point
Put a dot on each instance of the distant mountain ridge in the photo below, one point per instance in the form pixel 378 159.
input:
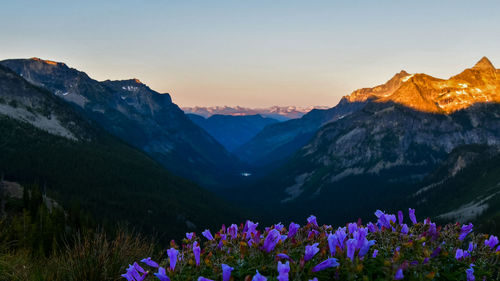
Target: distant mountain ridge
pixel 232 130
pixel 397 136
pixel 47 141
pixel 417 91
pixel 277 112
pixel 140 116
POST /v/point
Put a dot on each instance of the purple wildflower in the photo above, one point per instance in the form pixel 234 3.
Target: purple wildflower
pixel 365 247
pixel 226 272
pixel 399 274
pixel 371 227
pixel 404 229
pixel 470 273
pixel 314 279
pixel 233 231
pixel 283 256
pixel 273 237
pixel 251 228
pixel 351 248
pixel 132 272
pixel 196 252
pixel 201 278
pixel 207 234
pixel 128 276
pixel 283 270
pixel 459 254
pixel 341 236
pixel 312 220
pixel 258 277
pixel 189 235
pixel 292 230
pixel 351 227
pixel 172 256
pixel 400 217
pixel 150 262
pixel 360 235
pixel 311 250
pixel 375 253
pixel 472 247
pixel 491 242
pixel 331 262
pixel 385 219
pixel 412 216
pixel 139 268
pixel 332 243
pixel 279 226
pixel 162 274
pixel 436 252
pixel 466 229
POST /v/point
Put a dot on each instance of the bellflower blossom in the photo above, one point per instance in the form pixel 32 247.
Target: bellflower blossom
pixel 404 229
pixel 371 227
pixel 466 229
pixel 491 242
pixel 332 243
pixel 207 234
pixel 201 278
pixel 399 274
pixel 311 250
pixel 351 248
pixel 162 274
pixel 365 247
pixel 283 270
pixel 172 256
pixel 233 231
pixel 470 273
pixel 251 228
pixel 196 252
pixel 331 262
pixel 341 236
pixel 459 254
pixel 292 230
pixel 472 247
pixel 283 256
pixel 400 217
pixel 258 277
pixel 279 226
pixel 226 272
pixel 412 216
pixel 189 235
pixel 272 239
pixel 150 262
pixel 312 220
pixel 351 227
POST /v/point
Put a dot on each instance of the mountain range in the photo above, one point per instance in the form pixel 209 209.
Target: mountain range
pixel 124 150
pixel 45 141
pixel 232 131
pixel 281 113
pixel 386 144
pixel 133 112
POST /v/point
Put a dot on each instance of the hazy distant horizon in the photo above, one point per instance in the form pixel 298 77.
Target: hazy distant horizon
pixel 254 54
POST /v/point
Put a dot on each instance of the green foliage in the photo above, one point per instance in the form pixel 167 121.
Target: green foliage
pixel 41 244
pixel 109 179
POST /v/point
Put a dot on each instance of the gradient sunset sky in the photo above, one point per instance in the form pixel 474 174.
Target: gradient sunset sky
pixel 254 53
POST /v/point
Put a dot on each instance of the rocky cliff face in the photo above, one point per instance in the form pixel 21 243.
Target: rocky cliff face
pixel 405 129
pixel 138 115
